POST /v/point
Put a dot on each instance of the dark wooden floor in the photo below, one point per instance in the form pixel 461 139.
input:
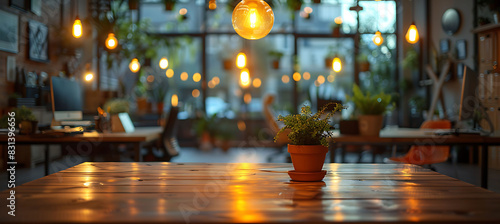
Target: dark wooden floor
pixel 461 171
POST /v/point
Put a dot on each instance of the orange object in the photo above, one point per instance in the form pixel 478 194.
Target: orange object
pixel 421 155
pixel 306 176
pixel 307 158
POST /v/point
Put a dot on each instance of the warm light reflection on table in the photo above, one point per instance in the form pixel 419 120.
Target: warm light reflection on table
pixel 250 193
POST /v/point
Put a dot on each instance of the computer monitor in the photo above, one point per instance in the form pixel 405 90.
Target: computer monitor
pixel 469 102
pixel 67 99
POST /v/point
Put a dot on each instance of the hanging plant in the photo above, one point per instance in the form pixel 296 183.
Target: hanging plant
pixel 169 4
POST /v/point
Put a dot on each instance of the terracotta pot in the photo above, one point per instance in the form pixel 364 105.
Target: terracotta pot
pixel 370 125
pixel 143 106
pixel 276 64
pixel 169 6
pixel 364 66
pixel 328 63
pixel 227 64
pixel 133 4
pixel 307 158
pixel 28 127
pixel 159 108
pixel 336 31
pixel 349 127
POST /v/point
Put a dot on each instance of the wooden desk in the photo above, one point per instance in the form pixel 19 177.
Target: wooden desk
pixel 249 193
pixel 409 136
pixel 92 140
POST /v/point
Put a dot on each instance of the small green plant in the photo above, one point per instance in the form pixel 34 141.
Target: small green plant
pixel 275 54
pixel 206 124
pixel 411 60
pixel 116 106
pixel 22 114
pixel 368 104
pixel 307 128
pixel 361 58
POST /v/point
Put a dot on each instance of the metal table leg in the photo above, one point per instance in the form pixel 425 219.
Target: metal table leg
pixel 137 152
pixel 484 166
pixel 47 159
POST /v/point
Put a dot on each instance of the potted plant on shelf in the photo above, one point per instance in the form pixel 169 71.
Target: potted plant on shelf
pixel 157 94
pixel 276 58
pixel 169 4
pixel 294 5
pixel 336 29
pixel 205 128
pixel 223 137
pixel 349 124
pixel 329 57
pixel 371 110
pixel 363 63
pixel 25 120
pixel 308 141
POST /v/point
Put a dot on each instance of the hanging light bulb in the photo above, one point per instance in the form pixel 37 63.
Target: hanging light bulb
pixel 89 76
pixel 412 34
pixel 111 41
pixel 77 28
pixel 174 100
pixel 337 64
pixel 378 39
pixel 212 5
pixel 163 63
pixel 244 78
pixel 134 65
pixel 241 60
pixel 253 19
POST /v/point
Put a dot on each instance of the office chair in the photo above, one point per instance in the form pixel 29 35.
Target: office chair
pixel 168 146
pixel 426 155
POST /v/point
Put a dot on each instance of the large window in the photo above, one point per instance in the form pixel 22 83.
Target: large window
pixel 305 44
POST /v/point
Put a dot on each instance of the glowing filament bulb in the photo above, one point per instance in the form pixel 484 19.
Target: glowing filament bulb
pixel 134 65
pixel 378 39
pixel 337 64
pixel 412 34
pixel 174 100
pixel 241 60
pixel 111 41
pixel 163 63
pixel 89 76
pixel 77 28
pixel 244 78
pixel 252 19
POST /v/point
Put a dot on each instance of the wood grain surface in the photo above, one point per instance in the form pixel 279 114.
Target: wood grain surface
pixel 249 193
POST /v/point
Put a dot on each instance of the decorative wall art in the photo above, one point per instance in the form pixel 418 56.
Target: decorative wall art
pixel 38 41
pixel 461 46
pixel 9 32
pixel 36 7
pixel 19 4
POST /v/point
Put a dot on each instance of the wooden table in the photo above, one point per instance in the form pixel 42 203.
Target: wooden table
pixel 249 193
pixel 92 140
pixel 410 136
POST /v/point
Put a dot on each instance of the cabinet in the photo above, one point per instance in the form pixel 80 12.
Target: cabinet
pixel 489 79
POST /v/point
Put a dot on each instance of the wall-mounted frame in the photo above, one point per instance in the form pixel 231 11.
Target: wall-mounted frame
pixel 19 4
pixel 36 7
pixel 461 47
pixel 9 32
pixel 460 70
pixel 444 46
pixel 38 41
